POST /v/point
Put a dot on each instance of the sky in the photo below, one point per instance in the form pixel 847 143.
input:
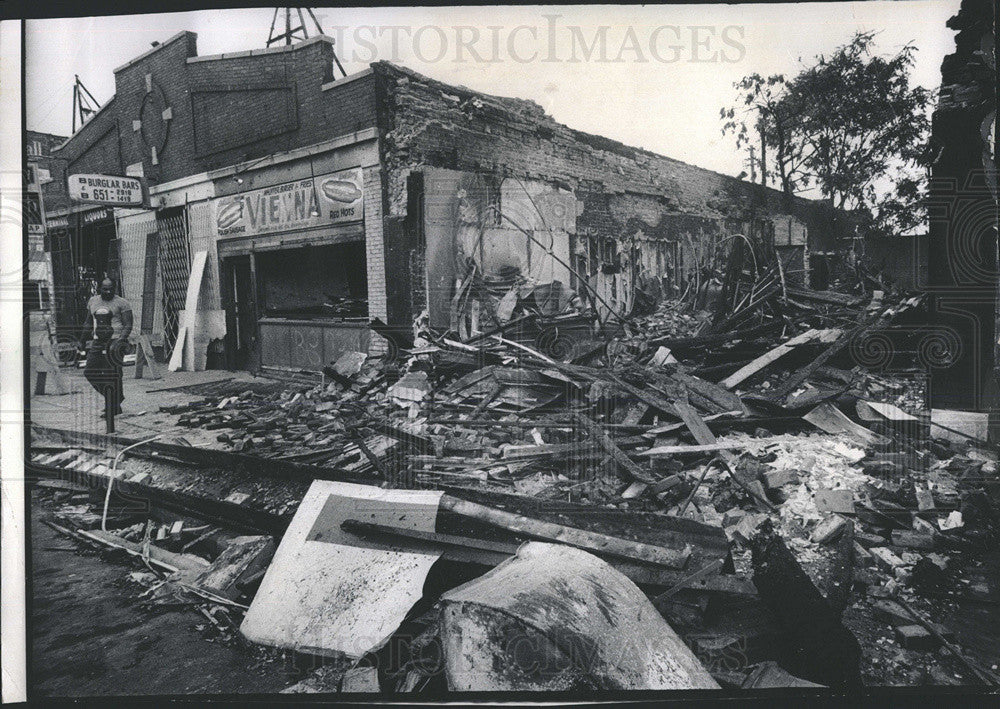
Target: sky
pixel 654 77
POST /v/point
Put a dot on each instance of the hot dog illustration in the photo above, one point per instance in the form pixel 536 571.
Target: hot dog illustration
pixel 230 214
pixel 341 191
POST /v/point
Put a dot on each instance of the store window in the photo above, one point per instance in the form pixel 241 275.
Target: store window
pixel 322 282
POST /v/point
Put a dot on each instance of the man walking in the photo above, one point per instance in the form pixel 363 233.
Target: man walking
pixel 109 323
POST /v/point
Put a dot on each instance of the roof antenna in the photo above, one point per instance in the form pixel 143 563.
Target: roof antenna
pixel 84 103
pixel 300 32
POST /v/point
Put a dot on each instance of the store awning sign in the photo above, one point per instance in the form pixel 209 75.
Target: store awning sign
pixel 337 198
pixel 111 190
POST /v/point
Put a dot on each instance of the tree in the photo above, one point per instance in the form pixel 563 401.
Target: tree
pixel 852 126
pixel 772 120
pixel 865 128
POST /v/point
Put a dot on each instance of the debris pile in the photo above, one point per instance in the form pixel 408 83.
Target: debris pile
pixel 787 513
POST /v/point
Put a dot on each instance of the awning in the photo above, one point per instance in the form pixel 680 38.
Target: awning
pixel 324 236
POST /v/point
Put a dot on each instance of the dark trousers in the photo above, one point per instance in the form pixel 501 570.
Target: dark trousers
pixel 104 373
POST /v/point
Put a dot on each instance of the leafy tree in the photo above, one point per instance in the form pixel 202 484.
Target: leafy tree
pixel 851 125
pixel 768 118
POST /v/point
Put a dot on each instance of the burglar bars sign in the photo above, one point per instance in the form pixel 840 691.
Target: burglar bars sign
pixel 336 198
pixel 112 190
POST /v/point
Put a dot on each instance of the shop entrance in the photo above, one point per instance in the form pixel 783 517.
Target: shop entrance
pixel 84 252
pixel 314 304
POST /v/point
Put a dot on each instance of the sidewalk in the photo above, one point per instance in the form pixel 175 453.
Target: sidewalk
pixel 80 409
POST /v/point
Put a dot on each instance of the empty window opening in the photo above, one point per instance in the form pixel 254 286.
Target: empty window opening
pixel 315 282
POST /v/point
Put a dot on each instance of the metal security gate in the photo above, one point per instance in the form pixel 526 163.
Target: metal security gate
pixel 175 268
pixel 64 280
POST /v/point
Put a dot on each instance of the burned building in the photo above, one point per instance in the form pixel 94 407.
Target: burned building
pixel 320 203
pixel 962 265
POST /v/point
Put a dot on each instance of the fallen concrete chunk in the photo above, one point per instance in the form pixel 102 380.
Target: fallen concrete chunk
pixel 886 558
pixel 829 529
pixel 916 637
pixel 952 521
pixel 840 501
pixel 745 527
pixel 661 357
pixel 777 478
pixel 912 540
pixel 412 387
pixel 242 558
pixel 869 540
pixel 555 617
pixel 925 500
pixel 349 363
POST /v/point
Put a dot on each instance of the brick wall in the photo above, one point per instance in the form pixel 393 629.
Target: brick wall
pixel 346 106
pixel 99 149
pixel 375 252
pixel 630 198
pixel 224 109
pixel 433 124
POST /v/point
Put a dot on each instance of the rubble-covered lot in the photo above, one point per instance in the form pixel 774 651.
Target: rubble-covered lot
pixel 741 498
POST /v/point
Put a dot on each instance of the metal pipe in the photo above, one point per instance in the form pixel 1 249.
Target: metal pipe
pixel 111 477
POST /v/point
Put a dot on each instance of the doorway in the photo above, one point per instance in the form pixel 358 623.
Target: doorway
pixel 241 311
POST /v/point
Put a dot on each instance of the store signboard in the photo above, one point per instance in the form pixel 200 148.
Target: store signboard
pixel 111 190
pixel 33 213
pixel 97 215
pixel 335 198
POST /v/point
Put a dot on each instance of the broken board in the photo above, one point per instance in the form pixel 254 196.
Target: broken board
pixel 185 333
pixel 830 419
pixel 328 592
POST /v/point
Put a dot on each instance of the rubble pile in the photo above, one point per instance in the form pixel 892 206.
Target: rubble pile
pixel 774 501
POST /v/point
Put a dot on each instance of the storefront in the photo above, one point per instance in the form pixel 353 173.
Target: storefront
pixel 83 251
pixel 293 271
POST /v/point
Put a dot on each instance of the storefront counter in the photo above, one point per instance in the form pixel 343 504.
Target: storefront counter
pixel 309 343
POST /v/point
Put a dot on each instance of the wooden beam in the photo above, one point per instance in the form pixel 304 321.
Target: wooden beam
pixel 633 469
pixel 583 539
pixel 781 350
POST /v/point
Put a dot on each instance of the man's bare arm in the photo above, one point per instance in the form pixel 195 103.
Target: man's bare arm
pixel 88 327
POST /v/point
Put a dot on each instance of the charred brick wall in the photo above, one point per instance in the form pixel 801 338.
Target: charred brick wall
pixel 625 193
pixel 438 125
pixel 962 241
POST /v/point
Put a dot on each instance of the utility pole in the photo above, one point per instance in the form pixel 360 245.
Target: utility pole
pixel 763 154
